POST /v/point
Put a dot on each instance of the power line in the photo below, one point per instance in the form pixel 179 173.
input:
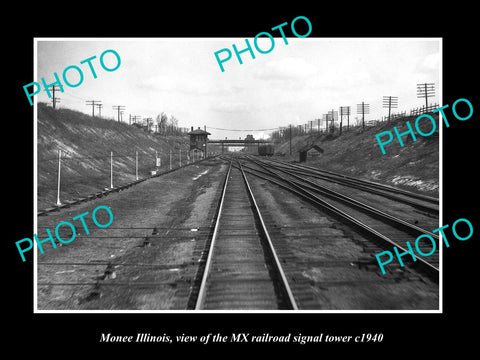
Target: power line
pixel 214 128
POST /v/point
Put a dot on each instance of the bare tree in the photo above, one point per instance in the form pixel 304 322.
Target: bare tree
pixel 162 122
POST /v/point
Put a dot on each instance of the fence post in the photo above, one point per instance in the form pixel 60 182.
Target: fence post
pixel 180 157
pixel 111 169
pixel 136 165
pixel 170 159
pixel 58 177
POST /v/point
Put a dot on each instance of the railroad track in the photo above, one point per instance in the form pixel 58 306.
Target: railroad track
pixel 426 203
pixel 382 229
pixel 242 269
pixel 242 255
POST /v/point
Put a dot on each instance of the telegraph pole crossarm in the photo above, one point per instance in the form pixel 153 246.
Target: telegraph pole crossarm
pixel 93 103
pixel 390 102
pixel 119 108
pixel 426 90
pixel 363 109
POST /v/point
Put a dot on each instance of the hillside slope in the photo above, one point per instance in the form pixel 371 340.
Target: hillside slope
pixel 414 167
pixel 86 143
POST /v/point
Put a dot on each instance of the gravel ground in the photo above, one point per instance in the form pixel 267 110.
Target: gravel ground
pixel 121 253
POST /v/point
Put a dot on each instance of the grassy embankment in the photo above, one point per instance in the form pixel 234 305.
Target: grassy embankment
pixel 86 143
pixel 414 167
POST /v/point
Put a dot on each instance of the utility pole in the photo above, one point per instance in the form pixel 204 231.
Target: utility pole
pixel 136 165
pixel 206 139
pixel 332 119
pixel 134 118
pixel 55 99
pixel 93 103
pixel 344 110
pixel 111 170
pixel 148 121
pixel 363 109
pixel 390 102
pixel 118 108
pixel 290 139
pixel 58 177
pixel 99 107
pixel 426 90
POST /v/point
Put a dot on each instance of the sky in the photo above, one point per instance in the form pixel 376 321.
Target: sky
pixel 294 83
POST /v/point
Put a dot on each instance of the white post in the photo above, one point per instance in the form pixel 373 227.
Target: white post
pixel 170 159
pixel 58 177
pixel 180 157
pixel 136 165
pixel 111 169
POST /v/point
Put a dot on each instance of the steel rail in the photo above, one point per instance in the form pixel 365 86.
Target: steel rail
pixel 348 179
pixel 387 193
pixel 359 205
pixel 318 202
pixel 284 283
pixel 202 291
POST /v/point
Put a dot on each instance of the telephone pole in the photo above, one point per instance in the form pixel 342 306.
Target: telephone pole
pixel 93 103
pixel 332 114
pixel 55 99
pixel 290 140
pixel 363 109
pixel 344 110
pixel 390 102
pixel 426 90
pixel 134 118
pixel 148 121
pixel 118 108
pixel 99 107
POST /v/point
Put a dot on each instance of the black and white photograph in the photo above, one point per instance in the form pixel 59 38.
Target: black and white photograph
pixel 196 181
pixel 268 191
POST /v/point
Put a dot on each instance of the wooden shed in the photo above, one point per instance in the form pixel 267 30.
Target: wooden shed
pixel 309 151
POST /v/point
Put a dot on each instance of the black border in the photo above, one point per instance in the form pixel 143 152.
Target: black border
pixel 405 333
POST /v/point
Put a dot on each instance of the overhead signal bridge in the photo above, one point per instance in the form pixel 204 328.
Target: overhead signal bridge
pixel 239 142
